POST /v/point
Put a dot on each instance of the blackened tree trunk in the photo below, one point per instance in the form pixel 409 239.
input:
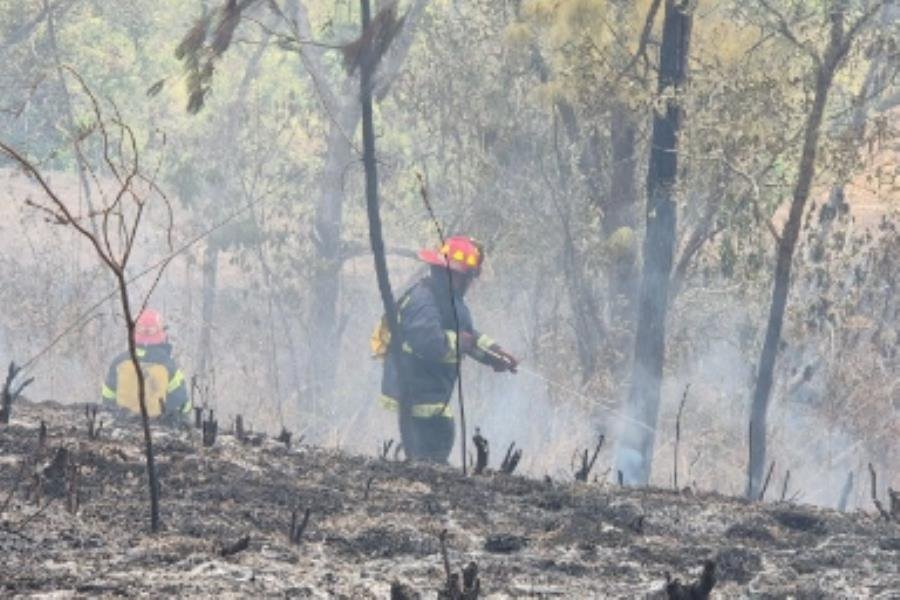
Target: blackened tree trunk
pixel 635 448
pixel 341 102
pixel 826 66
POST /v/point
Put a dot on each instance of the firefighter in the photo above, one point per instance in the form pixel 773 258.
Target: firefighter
pixel 420 375
pixel 164 384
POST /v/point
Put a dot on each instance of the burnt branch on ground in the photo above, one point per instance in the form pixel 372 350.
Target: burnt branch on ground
pixel 386 448
pixel 210 429
pixel 511 460
pixel 894 497
pixel 93 427
pixel 784 487
pixel 285 437
pixel 296 532
pixel 11 392
pixel 235 547
pixel 482 449
pixel 467 587
pixel 239 432
pixel 762 492
pixel 401 591
pixel 874 481
pixel 698 590
pixel 588 461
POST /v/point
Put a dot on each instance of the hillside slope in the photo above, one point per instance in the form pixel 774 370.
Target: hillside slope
pixel 373 522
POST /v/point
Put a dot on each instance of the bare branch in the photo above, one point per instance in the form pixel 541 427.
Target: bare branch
pixel 785 30
pixel 645 38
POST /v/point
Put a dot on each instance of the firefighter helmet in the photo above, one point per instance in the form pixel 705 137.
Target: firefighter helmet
pixel 460 253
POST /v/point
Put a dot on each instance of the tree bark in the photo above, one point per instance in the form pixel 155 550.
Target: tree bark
pixel 635 447
pixel 791 232
pixel 838 45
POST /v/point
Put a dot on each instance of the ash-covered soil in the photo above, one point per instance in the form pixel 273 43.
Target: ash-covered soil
pixel 373 522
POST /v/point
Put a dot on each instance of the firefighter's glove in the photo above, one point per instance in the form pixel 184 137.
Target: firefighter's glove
pixel 501 360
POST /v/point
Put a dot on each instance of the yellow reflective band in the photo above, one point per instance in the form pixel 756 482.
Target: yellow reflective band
pixel 388 403
pixel 428 411
pixel 459 256
pixel 141 353
pixel 484 342
pixel 176 382
pixel 186 408
pixel 450 357
pixel 472 261
pixel 420 411
pixel 107 393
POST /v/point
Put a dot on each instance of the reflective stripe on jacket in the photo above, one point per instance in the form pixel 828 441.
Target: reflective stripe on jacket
pixel 428 354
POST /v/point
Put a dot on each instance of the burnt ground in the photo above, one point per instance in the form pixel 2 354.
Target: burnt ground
pixel 374 521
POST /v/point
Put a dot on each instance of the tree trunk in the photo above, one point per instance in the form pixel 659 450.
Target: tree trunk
pixel 323 317
pixel 635 447
pixel 345 112
pixel 210 277
pixel 761 394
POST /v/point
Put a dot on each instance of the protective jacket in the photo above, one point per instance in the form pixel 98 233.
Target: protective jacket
pixel 164 385
pixel 427 357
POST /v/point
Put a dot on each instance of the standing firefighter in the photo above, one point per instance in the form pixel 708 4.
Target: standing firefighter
pixel 164 385
pixel 419 377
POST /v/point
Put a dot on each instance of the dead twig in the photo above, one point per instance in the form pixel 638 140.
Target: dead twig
pixel 698 590
pixel 368 486
pixel 296 532
pixel 762 492
pixel 511 460
pixel 93 428
pixel 239 432
pixel 386 448
pixel 872 477
pixel 285 437
pixel 588 460
pixel 784 487
pixel 11 392
pixel 482 449
pixel 210 429
pixel 895 504
pixel 466 588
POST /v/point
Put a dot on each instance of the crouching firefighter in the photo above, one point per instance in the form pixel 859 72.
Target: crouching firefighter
pixel 164 385
pixel 419 376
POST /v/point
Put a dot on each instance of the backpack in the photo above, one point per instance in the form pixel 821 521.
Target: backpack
pixel 380 340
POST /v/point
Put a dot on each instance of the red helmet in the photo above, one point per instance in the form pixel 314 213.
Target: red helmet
pixel 148 329
pixel 460 253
